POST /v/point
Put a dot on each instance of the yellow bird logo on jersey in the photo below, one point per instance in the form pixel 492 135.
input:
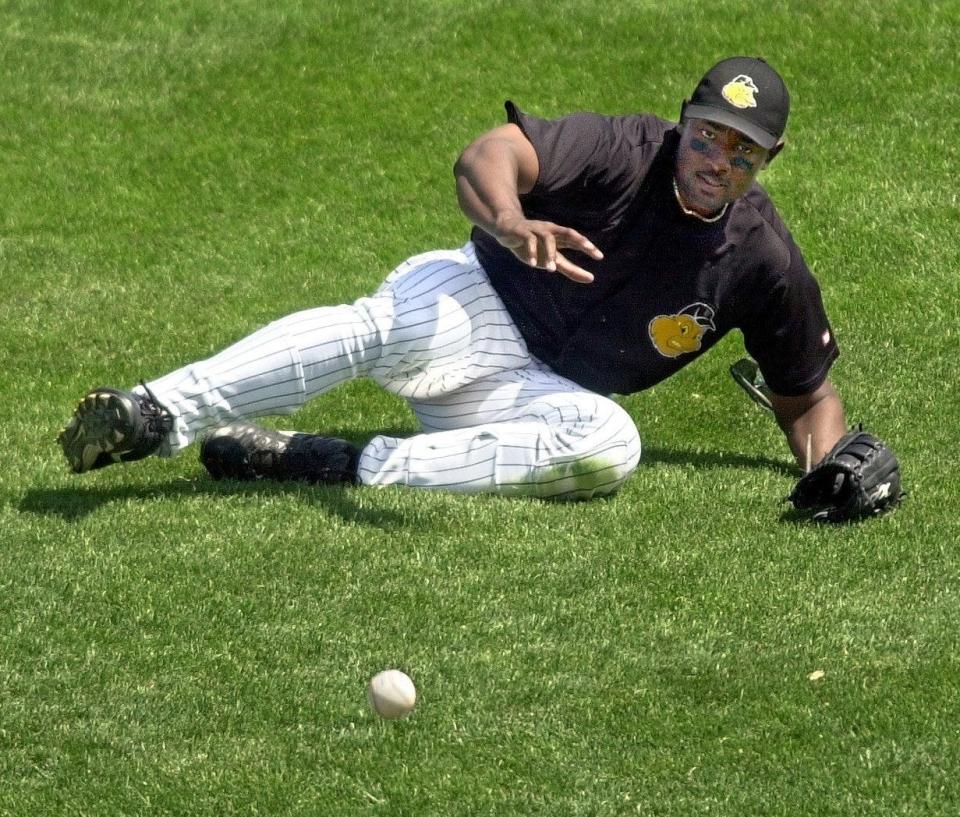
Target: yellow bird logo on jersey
pixel 682 333
pixel 740 92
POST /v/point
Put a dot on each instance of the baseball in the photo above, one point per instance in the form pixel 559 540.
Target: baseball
pixel 391 694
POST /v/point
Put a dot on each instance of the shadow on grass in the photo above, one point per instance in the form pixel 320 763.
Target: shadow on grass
pixel 791 516
pixel 715 459
pixel 74 503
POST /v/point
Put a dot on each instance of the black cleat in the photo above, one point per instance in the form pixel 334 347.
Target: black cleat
pixel 245 451
pixel 113 426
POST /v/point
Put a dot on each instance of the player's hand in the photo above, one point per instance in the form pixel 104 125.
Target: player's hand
pixel 538 243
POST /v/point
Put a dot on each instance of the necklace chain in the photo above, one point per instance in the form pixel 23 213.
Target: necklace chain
pixel 694 213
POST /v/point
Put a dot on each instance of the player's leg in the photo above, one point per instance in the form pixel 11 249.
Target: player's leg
pixel 433 325
pixel 447 327
pixel 273 371
pixel 523 432
pixel 260 374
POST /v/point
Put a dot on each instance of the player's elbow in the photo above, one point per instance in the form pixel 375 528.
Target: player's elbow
pixel 481 153
pixel 463 162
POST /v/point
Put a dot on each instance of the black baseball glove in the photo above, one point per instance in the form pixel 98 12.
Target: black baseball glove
pixel 859 477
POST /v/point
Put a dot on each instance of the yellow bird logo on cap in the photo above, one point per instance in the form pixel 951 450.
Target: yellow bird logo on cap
pixel 740 92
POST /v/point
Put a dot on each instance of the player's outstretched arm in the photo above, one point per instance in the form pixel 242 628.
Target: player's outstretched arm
pixel 848 475
pixel 491 173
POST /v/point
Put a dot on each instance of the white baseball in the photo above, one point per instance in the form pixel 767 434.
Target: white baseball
pixel 392 694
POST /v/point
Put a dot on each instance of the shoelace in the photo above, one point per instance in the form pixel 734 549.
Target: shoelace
pixel 158 418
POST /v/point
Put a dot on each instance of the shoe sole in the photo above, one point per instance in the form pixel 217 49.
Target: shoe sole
pixel 100 426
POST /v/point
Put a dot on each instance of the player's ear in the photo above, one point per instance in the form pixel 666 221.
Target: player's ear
pixel 774 152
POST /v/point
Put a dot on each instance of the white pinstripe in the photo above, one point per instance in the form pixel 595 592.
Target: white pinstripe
pixel 494 419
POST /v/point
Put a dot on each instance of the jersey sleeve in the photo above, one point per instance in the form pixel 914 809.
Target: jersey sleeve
pixel 581 156
pixel 788 332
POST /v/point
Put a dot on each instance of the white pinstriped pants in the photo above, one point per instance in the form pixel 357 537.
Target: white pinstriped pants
pixel 493 418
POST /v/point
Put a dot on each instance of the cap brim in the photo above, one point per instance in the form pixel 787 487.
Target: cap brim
pixel 732 120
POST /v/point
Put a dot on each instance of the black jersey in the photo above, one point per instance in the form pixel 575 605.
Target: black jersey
pixel 670 285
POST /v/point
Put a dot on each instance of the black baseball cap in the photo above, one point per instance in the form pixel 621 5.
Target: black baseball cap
pixel 744 93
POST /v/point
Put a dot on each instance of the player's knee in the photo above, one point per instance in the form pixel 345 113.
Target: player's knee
pixel 425 344
pixel 606 459
pixel 617 457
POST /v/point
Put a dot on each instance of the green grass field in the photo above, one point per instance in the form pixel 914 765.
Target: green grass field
pixel 176 174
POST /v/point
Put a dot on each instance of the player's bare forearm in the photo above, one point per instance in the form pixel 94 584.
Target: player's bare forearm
pixel 811 422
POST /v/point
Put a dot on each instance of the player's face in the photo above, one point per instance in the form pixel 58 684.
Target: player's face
pixel 715 165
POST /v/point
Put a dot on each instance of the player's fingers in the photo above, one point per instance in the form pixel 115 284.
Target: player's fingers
pixel 537 242
pixel 530 248
pixel 570 270
pixel 568 238
pixel 547 255
pixel 526 251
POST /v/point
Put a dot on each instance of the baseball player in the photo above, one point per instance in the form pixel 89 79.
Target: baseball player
pixel 607 253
